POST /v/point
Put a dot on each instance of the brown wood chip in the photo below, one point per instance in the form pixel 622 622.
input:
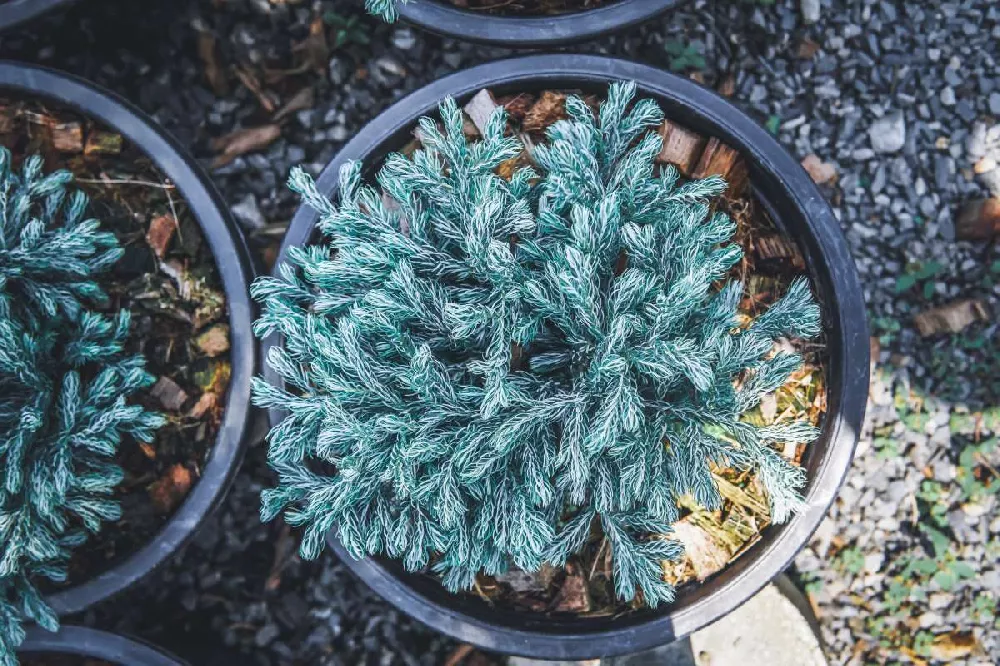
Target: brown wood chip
pixel 952 318
pixel 161 231
pixel 169 394
pixel 517 106
pixel 573 597
pixel 548 109
pixel 168 491
pixel 775 247
pixel 67 137
pixel 244 141
pixel 718 159
pixel 681 147
pixel 214 341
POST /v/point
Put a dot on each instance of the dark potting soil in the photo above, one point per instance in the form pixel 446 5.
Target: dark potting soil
pixel 585 586
pixel 168 279
pixel 44 659
pixel 530 7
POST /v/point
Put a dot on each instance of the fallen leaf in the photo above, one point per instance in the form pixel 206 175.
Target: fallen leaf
pixel 169 394
pixel 459 654
pixel 264 98
pixel 303 99
pixel 244 141
pixel 315 49
pixel 953 645
pixel 706 555
pixel 807 49
pixel 103 143
pixel 206 402
pixel 978 220
pixel 160 231
pixel 167 491
pixel 951 318
pixel 214 74
pixel 821 172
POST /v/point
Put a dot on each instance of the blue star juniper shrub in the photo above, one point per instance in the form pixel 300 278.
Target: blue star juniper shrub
pixel 64 385
pixel 495 368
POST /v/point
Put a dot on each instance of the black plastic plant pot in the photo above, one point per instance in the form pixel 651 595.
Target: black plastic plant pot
pixel 16 12
pixel 798 207
pixel 93 644
pixel 444 18
pixel 232 258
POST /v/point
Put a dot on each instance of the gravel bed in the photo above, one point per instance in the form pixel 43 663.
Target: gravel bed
pixel 889 93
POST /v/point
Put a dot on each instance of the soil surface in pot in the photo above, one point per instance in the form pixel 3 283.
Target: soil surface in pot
pixel 712 539
pixel 43 659
pixel 530 7
pixel 168 279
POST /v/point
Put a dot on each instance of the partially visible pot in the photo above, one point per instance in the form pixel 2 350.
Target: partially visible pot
pixel 232 259
pixel 94 644
pixel 442 17
pixel 16 12
pixel 796 206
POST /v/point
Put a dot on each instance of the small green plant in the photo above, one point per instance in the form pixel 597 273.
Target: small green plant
pixel 64 381
pixel 918 273
pixel 347 30
pixel 494 368
pixel 683 55
pixel 851 560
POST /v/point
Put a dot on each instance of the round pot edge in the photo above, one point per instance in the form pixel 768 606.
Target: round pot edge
pixel 849 312
pixel 531 32
pixel 236 270
pixel 18 12
pixel 95 644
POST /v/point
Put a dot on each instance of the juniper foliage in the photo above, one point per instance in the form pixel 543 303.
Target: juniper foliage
pixel 64 382
pixel 387 9
pixel 494 368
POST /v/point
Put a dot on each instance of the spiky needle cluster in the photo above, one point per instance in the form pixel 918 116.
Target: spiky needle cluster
pixel 496 367
pixel 64 381
pixel 387 9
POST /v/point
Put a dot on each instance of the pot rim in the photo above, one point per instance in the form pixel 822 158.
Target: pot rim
pixel 95 644
pixel 16 12
pixel 832 271
pixel 531 32
pixel 232 259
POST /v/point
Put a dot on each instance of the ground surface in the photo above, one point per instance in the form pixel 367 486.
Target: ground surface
pixel 906 566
